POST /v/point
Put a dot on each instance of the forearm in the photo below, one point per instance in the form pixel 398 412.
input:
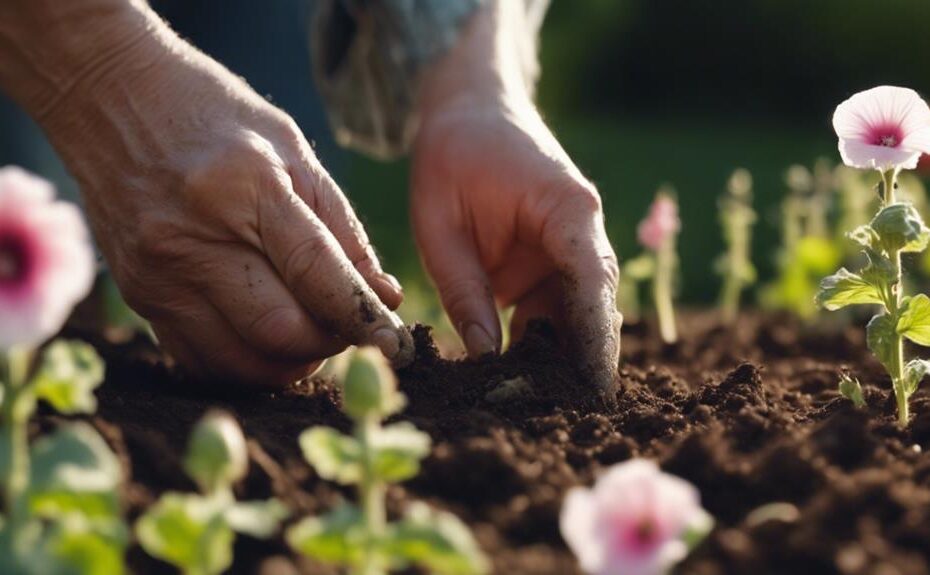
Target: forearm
pixel 50 48
pixel 494 58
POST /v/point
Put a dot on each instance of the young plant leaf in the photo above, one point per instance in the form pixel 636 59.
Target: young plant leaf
pixel 641 267
pixel 370 386
pixel 880 335
pixel 398 451
pixel 914 323
pixel 68 375
pixel 880 270
pixel 436 540
pixel 73 471
pixel 259 519
pixel 846 288
pixel 188 531
pixel 899 227
pixel 851 389
pixel 914 372
pixel 74 546
pixel 334 456
pixel 216 453
pixel 866 237
pixel 337 538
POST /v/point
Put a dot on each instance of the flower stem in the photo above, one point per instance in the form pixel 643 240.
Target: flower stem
pixel 371 493
pixel 889 179
pixel 13 434
pixel 662 290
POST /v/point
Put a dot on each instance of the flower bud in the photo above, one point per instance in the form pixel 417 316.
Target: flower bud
pixel 370 387
pixel 216 453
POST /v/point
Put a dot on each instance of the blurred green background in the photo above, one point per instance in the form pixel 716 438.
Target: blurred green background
pixel 640 92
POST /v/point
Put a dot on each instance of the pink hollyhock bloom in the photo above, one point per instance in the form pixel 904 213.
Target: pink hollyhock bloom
pixel 661 222
pixel 46 260
pixel 885 128
pixel 636 520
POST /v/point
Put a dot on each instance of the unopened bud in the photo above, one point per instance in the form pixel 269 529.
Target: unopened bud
pixel 370 387
pixel 216 453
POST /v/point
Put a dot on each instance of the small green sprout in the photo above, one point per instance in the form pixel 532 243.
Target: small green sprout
pixel 61 513
pixel 808 250
pixel 851 389
pixel 195 532
pixel 658 233
pixel 896 229
pixel 360 537
pixel 736 218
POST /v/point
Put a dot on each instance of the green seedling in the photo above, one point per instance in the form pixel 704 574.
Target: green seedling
pixel 195 531
pixel 895 230
pixel 808 250
pixel 61 513
pixel 359 537
pixel 736 219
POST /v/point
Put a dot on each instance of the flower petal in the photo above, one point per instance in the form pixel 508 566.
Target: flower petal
pixel 578 523
pixel 858 154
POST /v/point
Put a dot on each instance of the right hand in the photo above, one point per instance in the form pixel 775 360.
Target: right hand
pixel 219 223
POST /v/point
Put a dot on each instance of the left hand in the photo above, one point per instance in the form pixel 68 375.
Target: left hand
pixel 503 217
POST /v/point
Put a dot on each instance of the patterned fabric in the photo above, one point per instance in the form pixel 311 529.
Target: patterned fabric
pixel 368 55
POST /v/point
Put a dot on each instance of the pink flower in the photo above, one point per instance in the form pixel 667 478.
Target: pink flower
pixel 634 521
pixel 46 260
pixel 885 128
pixel 661 222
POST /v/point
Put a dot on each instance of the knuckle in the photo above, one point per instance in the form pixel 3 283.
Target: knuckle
pixel 159 239
pixel 306 260
pixel 278 331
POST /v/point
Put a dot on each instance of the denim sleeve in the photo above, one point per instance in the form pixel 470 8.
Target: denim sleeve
pixel 367 59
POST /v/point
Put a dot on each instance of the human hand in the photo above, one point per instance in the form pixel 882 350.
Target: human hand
pixel 501 214
pixel 219 223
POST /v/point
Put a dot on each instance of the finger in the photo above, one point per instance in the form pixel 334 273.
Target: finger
pixel 247 291
pixel 464 289
pixel 315 186
pixel 315 269
pixel 206 346
pixel 544 301
pixel 525 268
pixel 574 237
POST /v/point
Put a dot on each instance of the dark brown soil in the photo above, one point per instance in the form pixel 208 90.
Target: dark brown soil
pixel 750 415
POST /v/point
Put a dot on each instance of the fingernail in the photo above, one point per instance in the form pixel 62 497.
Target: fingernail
pixel 387 341
pixel 478 341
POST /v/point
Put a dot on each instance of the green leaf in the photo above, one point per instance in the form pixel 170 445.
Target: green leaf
pixel 880 270
pixel 78 548
pixel 370 386
pixel 846 288
pixel 882 339
pixel 437 541
pixel 899 227
pixel 216 452
pixel 398 450
pixel 73 471
pixel 851 389
pixel 914 323
pixel 866 237
pixel 334 456
pixel 914 372
pixel 817 255
pixel 188 531
pixel 68 375
pixel 337 538
pixel 259 519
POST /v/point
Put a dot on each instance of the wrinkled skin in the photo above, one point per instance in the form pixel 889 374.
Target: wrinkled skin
pixel 520 226
pixel 219 224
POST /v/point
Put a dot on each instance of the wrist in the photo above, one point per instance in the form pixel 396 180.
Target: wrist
pixel 487 66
